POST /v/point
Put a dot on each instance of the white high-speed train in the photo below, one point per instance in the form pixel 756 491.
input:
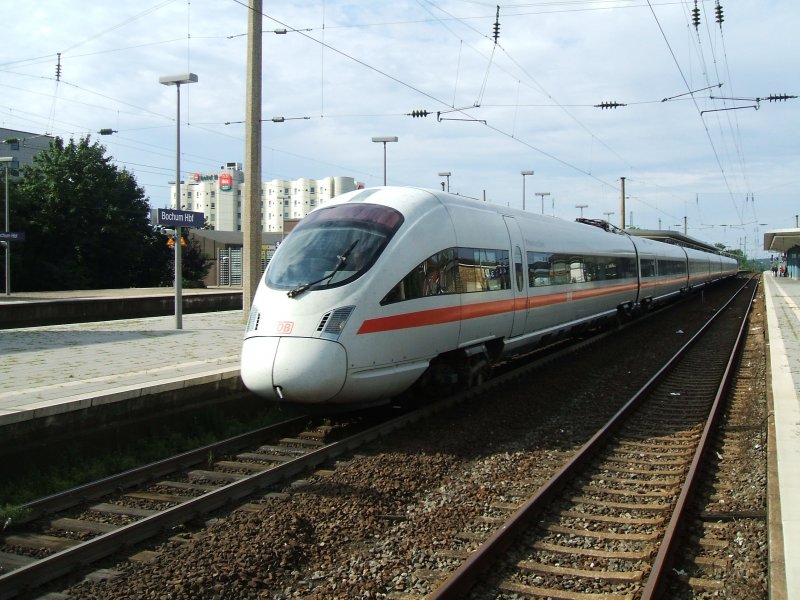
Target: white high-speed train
pixel 390 286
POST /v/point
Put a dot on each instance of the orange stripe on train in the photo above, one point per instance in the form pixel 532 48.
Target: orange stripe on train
pixel 438 316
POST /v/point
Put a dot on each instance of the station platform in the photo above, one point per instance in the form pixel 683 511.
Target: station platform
pixel 782 298
pixel 53 370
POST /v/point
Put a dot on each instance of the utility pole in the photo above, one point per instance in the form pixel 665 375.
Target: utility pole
pixel 251 221
pixel 622 205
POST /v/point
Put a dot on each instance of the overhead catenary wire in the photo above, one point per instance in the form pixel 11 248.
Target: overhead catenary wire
pixel 474 114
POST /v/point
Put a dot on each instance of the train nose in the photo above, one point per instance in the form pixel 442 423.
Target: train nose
pixel 293 369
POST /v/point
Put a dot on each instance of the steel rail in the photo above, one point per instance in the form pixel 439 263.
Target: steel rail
pixel 463 579
pixel 58 564
pixel 667 549
pixel 138 475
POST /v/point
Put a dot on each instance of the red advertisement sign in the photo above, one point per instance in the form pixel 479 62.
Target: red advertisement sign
pixel 225 181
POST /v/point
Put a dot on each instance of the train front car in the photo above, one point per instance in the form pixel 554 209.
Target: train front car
pixel 302 342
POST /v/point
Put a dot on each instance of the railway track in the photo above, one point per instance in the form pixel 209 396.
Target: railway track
pixel 239 477
pixel 81 526
pixel 607 522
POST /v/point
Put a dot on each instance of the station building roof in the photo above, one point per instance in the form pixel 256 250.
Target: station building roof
pixel 781 240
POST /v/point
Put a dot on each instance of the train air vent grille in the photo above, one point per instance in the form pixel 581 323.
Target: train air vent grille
pixel 333 323
pixel 252 322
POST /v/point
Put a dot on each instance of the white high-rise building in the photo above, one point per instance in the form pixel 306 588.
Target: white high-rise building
pixel 219 197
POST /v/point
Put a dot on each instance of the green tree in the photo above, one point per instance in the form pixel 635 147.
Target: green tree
pixel 194 264
pixel 86 224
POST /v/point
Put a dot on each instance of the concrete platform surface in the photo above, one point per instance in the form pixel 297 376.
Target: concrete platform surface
pixel 59 368
pixel 782 297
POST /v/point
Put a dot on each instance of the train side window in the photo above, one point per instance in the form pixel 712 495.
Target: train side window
pixel 437 274
pixel 453 271
pixel 648 266
pixel 520 277
pixel 538 269
pixel 577 271
pixel 483 270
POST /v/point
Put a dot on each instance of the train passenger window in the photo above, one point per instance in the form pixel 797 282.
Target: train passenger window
pixel 671 267
pixel 453 271
pixel 518 268
pixel 561 269
pixel 648 266
pixel 482 270
pixel 538 269
pixel 577 273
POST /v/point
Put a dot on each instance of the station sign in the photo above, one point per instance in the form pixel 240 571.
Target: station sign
pixel 179 218
pixel 12 236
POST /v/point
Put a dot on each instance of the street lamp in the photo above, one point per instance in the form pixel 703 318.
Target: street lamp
pixel 6 161
pixel 581 206
pixel 542 194
pixel 446 174
pixel 608 215
pixel 384 140
pixel 524 173
pixel 177 80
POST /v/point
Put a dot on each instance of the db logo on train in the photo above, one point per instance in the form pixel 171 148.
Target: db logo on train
pixel 284 327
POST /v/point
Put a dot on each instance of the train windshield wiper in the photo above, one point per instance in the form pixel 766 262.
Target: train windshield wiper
pixel 341 259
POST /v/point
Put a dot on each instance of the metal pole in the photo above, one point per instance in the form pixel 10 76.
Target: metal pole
pixel 8 244
pixel 251 223
pixel 384 164
pixel 178 256
pixel 524 174
pixel 622 205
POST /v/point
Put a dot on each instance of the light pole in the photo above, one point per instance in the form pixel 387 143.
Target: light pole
pixel 384 140
pixel 446 174
pixel 177 80
pixel 524 173
pixel 608 215
pixel 7 160
pixel 542 194
pixel 581 206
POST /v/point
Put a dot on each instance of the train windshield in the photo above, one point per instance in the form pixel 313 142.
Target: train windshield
pixel 332 246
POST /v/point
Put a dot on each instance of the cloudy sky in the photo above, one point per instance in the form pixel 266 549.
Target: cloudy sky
pixel 694 134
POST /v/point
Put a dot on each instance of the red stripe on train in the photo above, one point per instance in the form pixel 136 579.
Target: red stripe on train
pixel 438 316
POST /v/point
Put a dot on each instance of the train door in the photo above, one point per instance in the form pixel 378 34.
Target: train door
pixel 518 279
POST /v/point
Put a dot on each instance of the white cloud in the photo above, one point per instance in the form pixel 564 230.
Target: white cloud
pixel 383 60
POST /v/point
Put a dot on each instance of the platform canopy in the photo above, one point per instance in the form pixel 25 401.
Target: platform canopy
pixel 781 240
pixel 670 236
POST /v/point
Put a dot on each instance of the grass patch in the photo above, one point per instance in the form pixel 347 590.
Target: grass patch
pixel 116 449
